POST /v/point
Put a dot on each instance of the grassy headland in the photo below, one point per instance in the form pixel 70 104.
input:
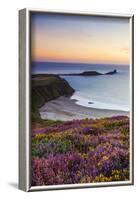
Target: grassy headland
pixel 45 88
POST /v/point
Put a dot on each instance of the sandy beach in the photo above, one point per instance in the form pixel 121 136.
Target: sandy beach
pixel 65 109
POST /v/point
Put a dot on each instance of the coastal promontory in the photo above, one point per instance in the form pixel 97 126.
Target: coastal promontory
pixel 47 87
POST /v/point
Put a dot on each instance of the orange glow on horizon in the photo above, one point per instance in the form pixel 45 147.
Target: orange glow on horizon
pixel 88 56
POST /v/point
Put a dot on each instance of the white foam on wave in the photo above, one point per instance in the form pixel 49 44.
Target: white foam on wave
pixel 84 101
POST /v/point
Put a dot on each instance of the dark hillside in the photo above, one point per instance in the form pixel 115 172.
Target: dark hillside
pixel 48 87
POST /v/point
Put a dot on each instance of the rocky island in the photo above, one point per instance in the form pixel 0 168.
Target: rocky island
pixel 90 73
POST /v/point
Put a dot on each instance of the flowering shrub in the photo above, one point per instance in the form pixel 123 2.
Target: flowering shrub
pixel 45 147
pixel 81 151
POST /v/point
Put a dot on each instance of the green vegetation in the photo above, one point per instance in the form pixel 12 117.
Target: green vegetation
pixel 45 88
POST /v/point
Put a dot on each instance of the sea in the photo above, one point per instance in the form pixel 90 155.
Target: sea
pixel 102 92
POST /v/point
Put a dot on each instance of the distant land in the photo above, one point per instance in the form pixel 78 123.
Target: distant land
pixel 90 73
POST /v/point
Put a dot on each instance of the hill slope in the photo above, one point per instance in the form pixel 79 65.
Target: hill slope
pixel 47 87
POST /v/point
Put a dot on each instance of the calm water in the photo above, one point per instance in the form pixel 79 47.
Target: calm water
pixel 104 92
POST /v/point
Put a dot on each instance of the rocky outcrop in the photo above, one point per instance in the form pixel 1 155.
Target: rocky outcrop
pixel 112 72
pixel 90 73
pixel 48 87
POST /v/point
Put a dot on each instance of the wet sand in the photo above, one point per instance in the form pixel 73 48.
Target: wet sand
pixel 65 109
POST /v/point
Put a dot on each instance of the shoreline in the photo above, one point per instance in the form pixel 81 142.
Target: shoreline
pixel 66 109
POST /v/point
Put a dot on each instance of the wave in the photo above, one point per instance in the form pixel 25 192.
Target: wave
pixel 84 101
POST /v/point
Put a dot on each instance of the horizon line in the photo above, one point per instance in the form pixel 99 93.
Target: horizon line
pixel 74 62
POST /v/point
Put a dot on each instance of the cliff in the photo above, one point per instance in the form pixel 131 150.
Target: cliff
pixel 47 87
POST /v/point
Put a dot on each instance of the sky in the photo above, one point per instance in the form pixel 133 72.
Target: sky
pixel 75 38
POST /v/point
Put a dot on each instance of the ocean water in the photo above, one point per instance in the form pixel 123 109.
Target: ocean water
pixel 103 92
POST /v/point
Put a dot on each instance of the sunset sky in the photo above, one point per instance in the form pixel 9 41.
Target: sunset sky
pixel 86 39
